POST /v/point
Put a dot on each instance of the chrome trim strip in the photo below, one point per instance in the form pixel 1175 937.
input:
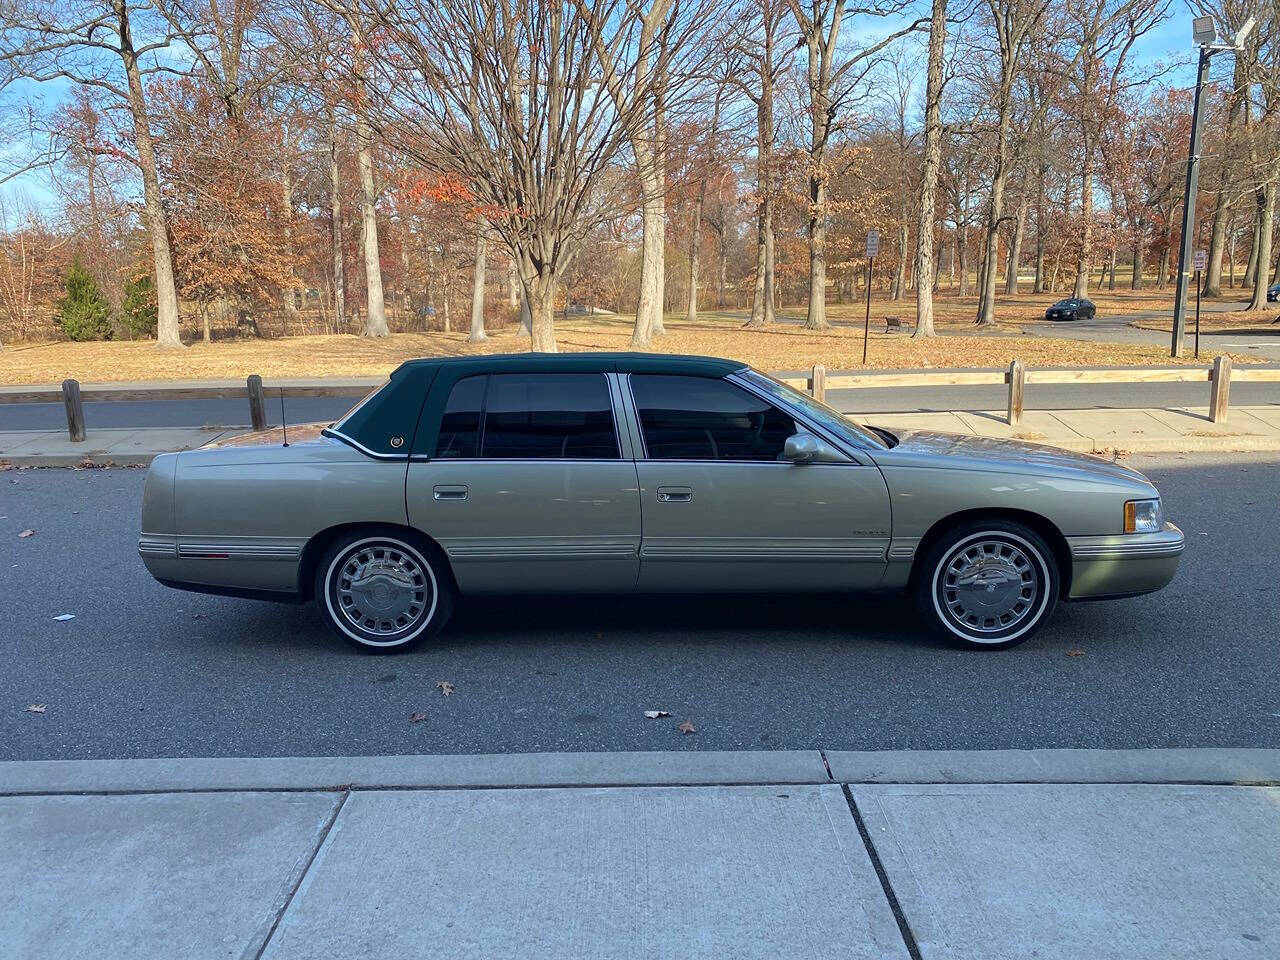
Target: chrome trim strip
pixel 339 435
pixel 541 551
pixel 749 553
pixel 157 548
pixel 1127 551
pixel 1169 542
pixel 238 551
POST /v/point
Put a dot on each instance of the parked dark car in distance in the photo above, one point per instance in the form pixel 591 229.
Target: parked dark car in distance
pixel 1273 293
pixel 1071 309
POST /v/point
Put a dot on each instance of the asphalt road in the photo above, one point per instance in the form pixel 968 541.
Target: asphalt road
pixel 144 671
pixel 198 413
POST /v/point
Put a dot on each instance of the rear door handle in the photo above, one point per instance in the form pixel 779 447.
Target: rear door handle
pixel 675 494
pixel 450 492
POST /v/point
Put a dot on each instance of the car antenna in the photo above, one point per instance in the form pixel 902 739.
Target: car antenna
pixel 284 428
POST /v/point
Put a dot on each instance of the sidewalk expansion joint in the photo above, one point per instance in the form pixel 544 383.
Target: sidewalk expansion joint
pixel 302 875
pixel 826 763
pixel 904 927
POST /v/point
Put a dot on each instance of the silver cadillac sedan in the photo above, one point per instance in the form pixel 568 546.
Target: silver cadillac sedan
pixel 623 473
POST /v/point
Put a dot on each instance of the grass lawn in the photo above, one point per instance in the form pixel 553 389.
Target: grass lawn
pixel 782 347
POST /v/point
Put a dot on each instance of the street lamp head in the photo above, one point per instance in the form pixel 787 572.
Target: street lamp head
pixel 1244 31
pixel 1204 32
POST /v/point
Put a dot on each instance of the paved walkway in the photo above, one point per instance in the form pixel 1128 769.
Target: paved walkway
pixel 1054 854
pixel 1168 430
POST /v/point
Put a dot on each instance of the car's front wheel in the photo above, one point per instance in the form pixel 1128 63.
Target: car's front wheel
pixel 383 592
pixel 988 585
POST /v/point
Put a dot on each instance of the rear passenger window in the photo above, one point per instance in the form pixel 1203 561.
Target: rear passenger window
pixel 460 425
pixel 703 418
pixel 529 416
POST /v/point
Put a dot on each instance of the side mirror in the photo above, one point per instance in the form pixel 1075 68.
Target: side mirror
pixel 801 448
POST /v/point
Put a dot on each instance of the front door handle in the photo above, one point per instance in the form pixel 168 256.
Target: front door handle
pixel 450 492
pixel 675 494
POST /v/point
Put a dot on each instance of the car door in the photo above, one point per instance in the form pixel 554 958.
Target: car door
pixel 527 487
pixel 722 511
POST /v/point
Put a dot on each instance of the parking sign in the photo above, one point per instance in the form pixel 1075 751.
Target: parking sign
pixel 873 242
pixel 1202 259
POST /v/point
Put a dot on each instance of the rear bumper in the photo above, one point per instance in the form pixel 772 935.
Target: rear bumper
pixel 1123 565
pixel 235 566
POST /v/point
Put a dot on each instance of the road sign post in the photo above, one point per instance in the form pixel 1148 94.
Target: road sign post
pixel 873 247
pixel 1202 261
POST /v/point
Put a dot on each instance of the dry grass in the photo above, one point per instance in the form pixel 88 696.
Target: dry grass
pixel 783 347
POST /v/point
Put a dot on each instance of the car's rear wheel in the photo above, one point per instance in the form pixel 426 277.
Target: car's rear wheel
pixel 383 592
pixel 988 585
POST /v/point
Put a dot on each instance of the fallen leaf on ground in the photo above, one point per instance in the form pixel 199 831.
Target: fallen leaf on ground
pixel 445 687
pixel 687 727
pixel 37 707
pixel 64 617
pixel 655 714
pixel 1075 653
pixel 417 717
pixel 27 533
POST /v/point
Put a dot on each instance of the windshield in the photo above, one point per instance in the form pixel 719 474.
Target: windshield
pixel 1065 303
pixel 820 413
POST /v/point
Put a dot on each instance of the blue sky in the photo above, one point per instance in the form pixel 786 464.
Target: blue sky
pixel 1168 44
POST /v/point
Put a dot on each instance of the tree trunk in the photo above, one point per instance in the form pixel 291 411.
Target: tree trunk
pixel 762 295
pixel 446 288
pixel 513 285
pixel 1251 265
pixel 167 331
pixel 995 211
pixel 653 249
pixel 695 248
pixel 1111 281
pixel 376 314
pixel 288 294
pixel 477 288
pixel 1015 248
pixel 816 315
pixel 900 275
pixel 540 295
pixel 1139 248
pixel 1081 290
pixel 1266 227
pixel 335 226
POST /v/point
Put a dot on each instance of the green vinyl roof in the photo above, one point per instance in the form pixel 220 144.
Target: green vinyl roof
pixel 583 362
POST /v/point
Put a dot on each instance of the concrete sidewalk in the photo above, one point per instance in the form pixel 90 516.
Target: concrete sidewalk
pixel 1110 854
pixel 1168 430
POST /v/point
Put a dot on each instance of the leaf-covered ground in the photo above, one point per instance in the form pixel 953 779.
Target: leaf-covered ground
pixel 781 347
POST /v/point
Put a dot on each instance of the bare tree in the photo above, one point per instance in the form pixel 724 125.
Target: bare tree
pixel 932 161
pixel 113 45
pixel 507 94
pixel 652 53
pixel 833 83
pixel 477 333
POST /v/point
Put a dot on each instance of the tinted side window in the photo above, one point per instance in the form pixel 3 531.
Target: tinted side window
pixel 460 425
pixel 702 418
pixel 548 416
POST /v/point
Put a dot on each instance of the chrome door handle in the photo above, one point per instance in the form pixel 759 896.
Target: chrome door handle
pixel 675 494
pixel 454 492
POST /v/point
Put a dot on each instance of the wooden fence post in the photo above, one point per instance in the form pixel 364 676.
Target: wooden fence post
pixel 75 410
pixel 1017 386
pixel 818 382
pixel 1219 388
pixel 257 403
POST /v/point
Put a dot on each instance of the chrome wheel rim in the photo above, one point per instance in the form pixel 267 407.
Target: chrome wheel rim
pixel 382 591
pixel 990 587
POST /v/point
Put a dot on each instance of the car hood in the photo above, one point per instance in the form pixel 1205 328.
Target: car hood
pixel 957 451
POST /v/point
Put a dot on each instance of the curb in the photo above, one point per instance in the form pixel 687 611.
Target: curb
pixel 1228 766
pixel 414 772
pixel 1204 765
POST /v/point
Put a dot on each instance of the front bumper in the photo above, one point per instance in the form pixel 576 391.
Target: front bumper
pixel 1123 565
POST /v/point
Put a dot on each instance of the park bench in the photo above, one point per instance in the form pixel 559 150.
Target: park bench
pixel 894 323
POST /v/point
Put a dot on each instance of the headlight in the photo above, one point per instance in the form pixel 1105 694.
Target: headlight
pixel 1142 516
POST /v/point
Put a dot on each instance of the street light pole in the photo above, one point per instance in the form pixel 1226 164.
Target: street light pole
pixel 1204 33
pixel 1189 211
